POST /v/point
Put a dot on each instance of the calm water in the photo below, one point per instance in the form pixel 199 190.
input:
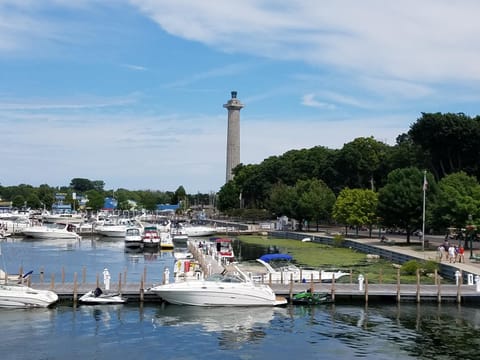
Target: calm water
pixel 408 331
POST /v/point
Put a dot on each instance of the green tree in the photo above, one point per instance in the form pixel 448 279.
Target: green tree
pixel 33 201
pixel 400 201
pixel 96 200
pixel 98 185
pixel 356 207
pixel 315 200
pixel 282 200
pixel 81 185
pixel 179 195
pixel 458 199
pixel 228 197
pixel 18 201
pixel 451 142
pixel 46 195
pixel 359 162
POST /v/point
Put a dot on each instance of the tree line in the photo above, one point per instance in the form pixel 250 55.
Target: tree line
pixel 369 182
pixel 44 196
pixel 365 183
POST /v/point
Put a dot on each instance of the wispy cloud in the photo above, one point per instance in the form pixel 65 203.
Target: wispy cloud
pixel 222 71
pixel 80 102
pixel 135 67
pixel 311 101
pixel 404 40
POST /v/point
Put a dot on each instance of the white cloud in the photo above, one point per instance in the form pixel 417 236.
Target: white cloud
pixel 433 40
pixel 309 100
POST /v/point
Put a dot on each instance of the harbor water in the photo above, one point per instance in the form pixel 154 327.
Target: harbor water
pixel 163 331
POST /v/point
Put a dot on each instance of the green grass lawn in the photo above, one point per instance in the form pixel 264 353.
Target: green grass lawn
pixel 309 254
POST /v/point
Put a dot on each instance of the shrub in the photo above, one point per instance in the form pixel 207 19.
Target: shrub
pixel 429 267
pixel 410 267
pixel 338 240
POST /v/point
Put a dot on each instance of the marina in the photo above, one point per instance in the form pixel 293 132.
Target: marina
pixel 355 325
pixel 136 288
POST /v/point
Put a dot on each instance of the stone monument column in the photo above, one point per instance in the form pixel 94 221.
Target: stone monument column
pixel 233 134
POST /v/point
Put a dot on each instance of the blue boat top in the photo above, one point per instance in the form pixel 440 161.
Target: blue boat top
pixel 270 257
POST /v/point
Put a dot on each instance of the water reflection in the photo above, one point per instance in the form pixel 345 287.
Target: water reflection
pixel 233 325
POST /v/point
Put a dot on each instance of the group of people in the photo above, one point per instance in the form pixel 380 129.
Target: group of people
pixel 452 253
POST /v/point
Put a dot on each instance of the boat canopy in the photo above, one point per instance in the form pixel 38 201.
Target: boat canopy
pixel 270 257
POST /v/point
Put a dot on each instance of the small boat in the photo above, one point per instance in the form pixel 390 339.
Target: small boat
pixel 22 296
pixel 180 239
pixel 54 231
pixel 195 230
pixel 97 296
pixel 311 298
pixel 150 237
pixel 279 268
pixel 223 250
pixel 133 237
pixel 114 227
pixel 166 242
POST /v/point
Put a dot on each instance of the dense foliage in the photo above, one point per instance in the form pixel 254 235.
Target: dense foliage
pixel 364 183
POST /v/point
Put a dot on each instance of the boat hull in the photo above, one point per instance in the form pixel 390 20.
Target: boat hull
pixel 90 298
pixel 200 293
pixel 20 296
pixel 49 234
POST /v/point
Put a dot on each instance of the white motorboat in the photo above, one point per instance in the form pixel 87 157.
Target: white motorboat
pixel 114 228
pixel 71 218
pixel 97 296
pixel 219 290
pixel 195 230
pixel 133 237
pixel 180 239
pixel 52 231
pixel 279 269
pixel 22 296
pixel 166 241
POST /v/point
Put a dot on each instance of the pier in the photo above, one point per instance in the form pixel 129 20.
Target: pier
pixel 466 289
pixel 463 285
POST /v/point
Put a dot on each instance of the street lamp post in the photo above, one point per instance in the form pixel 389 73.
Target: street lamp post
pixel 470 234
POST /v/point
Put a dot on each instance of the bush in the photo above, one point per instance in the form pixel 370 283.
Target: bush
pixel 410 267
pixel 429 267
pixel 338 240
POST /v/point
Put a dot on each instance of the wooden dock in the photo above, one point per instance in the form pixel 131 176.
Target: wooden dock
pixel 462 293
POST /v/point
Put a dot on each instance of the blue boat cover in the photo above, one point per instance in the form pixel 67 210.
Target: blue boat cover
pixel 270 257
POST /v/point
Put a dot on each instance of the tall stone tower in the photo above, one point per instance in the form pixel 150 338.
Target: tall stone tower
pixel 233 134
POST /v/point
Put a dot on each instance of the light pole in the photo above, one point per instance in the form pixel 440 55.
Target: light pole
pixel 469 232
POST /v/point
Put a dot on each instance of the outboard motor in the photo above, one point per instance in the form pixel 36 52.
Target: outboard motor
pixel 97 292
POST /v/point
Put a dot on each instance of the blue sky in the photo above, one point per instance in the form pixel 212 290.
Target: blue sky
pixel 131 91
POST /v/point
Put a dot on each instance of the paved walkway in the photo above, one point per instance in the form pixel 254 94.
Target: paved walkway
pixel 415 250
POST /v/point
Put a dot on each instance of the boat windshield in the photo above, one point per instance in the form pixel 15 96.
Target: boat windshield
pixel 225 278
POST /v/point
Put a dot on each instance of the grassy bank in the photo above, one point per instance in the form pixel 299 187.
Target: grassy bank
pixel 309 254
